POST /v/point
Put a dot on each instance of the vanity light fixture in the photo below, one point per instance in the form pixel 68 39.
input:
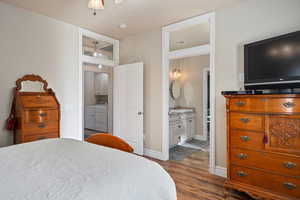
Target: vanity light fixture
pixel 176 74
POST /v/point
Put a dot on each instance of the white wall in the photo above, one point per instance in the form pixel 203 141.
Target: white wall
pixel 192 86
pixel 246 21
pixel 147 48
pixel 249 20
pixel 30 43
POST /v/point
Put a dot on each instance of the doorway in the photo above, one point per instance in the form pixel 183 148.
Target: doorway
pixel 194 37
pixel 99 55
pixel 98 99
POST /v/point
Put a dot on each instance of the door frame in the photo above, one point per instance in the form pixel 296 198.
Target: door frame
pixel 200 50
pixel 96 61
pixel 204 95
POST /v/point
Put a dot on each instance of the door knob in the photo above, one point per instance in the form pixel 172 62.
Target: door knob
pixel 140 113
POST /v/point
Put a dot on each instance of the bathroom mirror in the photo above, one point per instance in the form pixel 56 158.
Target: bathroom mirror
pixel 175 89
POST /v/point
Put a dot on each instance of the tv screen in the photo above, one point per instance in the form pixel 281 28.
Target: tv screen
pixel 273 62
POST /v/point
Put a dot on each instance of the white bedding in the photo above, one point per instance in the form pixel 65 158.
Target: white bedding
pixel 65 169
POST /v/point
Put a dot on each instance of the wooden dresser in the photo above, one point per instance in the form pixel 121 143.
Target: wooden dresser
pixel 263 135
pixel 37 113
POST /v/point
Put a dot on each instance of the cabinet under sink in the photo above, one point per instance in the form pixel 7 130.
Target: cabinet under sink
pixel 181 125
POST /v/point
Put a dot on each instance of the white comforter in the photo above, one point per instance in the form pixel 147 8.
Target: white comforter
pixel 64 169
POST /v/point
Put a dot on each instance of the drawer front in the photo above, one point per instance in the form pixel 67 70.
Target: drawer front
pixel 38 116
pixel 246 121
pixel 101 117
pixel 101 110
pixel 247 104
pixel 281 184
pixel 283 105
pixel 248 140
pixel 40 128
pixel 40 137
pixel 101 126
pixel 39 101
pixel 177 129
pixel 284 165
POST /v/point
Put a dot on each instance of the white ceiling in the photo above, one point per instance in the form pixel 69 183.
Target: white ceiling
pixel 139 15
pixel 190 37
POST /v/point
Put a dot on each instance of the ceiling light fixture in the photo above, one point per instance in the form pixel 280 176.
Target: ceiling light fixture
pixel 123 26
pixel 96 5
pixel 95 54
pixel 99 4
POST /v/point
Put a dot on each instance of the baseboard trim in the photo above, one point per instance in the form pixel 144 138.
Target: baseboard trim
pixel 220 171
pixel 154 154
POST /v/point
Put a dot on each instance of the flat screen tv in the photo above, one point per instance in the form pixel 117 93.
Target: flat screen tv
pixel 273 63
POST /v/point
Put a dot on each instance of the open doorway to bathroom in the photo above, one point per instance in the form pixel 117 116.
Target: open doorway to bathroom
pixel 189 92
pixel 98 100
pixel 189 109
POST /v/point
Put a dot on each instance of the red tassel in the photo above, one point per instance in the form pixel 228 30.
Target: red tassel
pixel 265 140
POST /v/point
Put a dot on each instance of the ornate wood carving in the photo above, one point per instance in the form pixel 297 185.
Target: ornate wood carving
pixel 32 77
pixel 285 130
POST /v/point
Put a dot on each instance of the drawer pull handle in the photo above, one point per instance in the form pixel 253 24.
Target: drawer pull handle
pixel 42 138
pixel 179 126
pixel 240 103
pixel 242 174
pixel 42 125
pixel 289 104
pixel 289 165
pixel 290 186
pixel 245 120
pixel 245 138
pixel 242 156
pixel 43 114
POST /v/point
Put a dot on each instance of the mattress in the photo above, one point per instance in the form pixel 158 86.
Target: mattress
pixel 63 169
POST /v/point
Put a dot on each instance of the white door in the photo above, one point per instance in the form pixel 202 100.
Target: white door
pixel 128 104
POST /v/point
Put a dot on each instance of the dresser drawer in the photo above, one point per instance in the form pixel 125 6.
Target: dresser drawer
pixel 40 128
pixel 40 137
pixel 34 101
pixel 283 105
pixel 248 140
pixel 280 184
pixel 38 116
pixel 247 104
pixel 284 165
pixel 246 121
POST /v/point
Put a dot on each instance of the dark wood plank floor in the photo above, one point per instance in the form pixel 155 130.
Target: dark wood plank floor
pixel 193 182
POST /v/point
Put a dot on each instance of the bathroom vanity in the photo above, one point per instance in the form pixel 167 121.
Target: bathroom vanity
pixel 181 125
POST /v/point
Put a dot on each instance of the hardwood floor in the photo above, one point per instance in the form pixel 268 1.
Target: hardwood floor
pixel 193 182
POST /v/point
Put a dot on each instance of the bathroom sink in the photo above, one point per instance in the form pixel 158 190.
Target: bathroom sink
pixel 181 110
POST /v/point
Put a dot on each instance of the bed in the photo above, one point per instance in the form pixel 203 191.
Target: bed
pixel 66 169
